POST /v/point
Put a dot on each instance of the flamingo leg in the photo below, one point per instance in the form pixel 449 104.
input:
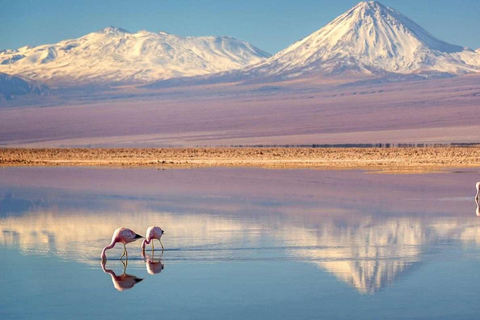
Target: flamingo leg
pixel 161 243
pixel 153 247
pixel 124 251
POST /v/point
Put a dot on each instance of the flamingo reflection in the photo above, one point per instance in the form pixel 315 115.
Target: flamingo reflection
pixel 124 281
pixel 478 191
pixel 154 266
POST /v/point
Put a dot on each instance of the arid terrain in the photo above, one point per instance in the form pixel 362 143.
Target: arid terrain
pixel 383 159
pixel 435 111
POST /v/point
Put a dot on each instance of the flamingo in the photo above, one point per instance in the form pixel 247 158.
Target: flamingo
pixel 153 232
pixel 123 281
pixel 478 190
pixel 124 236
pixel 478 207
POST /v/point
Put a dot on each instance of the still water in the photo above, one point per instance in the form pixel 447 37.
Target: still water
pixel 239 244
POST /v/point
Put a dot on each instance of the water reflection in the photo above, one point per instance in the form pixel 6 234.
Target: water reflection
pixel 153 265
pixel 364 251
pixel 366 230
pixel 124 281
pixel 369 255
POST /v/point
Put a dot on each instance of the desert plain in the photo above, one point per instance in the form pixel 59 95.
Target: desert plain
pixel 377 159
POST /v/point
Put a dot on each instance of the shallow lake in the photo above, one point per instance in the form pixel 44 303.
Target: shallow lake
pixel 239 244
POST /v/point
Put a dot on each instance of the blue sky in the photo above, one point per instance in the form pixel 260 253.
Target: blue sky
pixel 269 24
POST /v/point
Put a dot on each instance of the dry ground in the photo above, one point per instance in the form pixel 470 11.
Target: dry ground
pixel 436 111
pixel 385 160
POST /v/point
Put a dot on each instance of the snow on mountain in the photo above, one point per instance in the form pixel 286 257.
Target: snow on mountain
pixel 12 86
pixel 369 38
pixel 116 55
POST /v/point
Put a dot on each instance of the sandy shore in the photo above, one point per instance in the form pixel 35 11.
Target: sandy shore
pixel 385 160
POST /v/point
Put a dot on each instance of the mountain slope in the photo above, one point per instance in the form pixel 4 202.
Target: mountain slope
pixel 115 55
pixel 11 86
pixel 370 38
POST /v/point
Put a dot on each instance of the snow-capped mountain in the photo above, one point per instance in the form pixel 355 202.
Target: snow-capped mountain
pixel 369 38
pixel 11 86
pixel 116 55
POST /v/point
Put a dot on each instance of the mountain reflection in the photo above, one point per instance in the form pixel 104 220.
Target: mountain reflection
pixel 364 251
pixel 369 255
pixel 122 282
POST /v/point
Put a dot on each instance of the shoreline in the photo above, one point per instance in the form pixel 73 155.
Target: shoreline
pixel 376 159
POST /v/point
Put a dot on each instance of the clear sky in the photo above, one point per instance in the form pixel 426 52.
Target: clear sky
pixel 271 25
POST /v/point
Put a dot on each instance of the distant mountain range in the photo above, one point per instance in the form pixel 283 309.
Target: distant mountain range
pixel 114 55
pixel 368 40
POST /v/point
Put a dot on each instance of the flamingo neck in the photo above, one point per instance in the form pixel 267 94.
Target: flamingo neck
pixel 104 256
pixel 145 242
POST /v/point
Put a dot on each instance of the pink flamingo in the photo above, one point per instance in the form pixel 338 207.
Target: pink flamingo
pixel 124 236
pixel 478 190
pixel 153 232
pixel 478 207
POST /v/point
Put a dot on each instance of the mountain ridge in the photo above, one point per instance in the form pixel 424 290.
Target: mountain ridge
pixel 368 40
pixel 114 55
